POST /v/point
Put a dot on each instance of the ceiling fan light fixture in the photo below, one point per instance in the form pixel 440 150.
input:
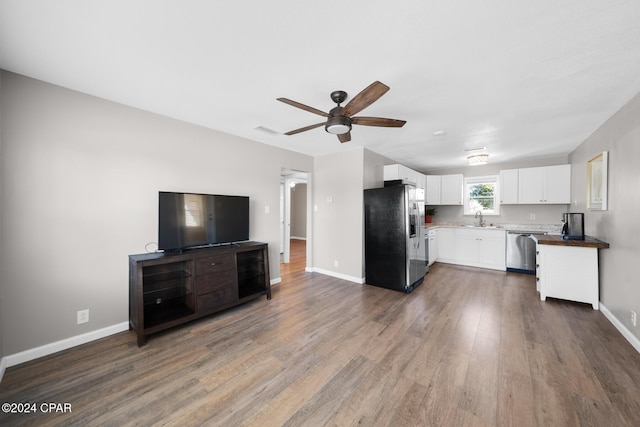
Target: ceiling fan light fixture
pixel 338 125
pixel 477 159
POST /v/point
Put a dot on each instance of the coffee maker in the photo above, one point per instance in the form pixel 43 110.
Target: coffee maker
pixel 573 228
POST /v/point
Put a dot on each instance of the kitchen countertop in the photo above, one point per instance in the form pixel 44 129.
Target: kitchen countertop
pixel 588 242
pixel 542 228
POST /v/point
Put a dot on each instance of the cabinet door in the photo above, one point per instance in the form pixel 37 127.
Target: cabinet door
pixel 531 183
pixel 446 244
pixel 558 184
pixel 391 172
pixel 492 251
pixel 509 186
pixel 466 248
pixel 433 189
pixel 421 182
pixel 451 189
pixel 433 246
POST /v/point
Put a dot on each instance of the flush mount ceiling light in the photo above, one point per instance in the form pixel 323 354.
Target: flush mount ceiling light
pixel 338 125
pixel 477 159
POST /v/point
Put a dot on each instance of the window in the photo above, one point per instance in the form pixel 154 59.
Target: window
pixel 481 194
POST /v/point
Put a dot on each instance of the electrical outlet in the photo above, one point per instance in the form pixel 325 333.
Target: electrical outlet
pixel 532 216
pixel 83 316
pixel 633 318
pixel 335 263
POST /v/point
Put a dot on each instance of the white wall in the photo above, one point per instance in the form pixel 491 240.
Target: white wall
pixel 80 178
pixel 619 225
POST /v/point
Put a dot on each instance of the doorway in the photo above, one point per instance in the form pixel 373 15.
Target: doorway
pixel 295 230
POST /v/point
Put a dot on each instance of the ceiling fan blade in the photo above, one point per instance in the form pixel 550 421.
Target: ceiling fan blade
pixel 365 98
pixel 378 121
pixel 303 107
pixel 293 132
pixel 344 137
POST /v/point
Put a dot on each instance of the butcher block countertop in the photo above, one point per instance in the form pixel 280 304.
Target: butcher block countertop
pixel 588 242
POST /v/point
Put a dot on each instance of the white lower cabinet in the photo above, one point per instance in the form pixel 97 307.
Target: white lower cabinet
pixel 483 248
pixel 569 273
pixel 446 244
pixel 433 246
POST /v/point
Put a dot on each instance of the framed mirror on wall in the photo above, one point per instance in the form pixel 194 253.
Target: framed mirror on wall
pixel 597 170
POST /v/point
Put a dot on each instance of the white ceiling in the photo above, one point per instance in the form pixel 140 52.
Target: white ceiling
pixel 527 79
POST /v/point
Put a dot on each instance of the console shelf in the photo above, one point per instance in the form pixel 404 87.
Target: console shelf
pixel 166 290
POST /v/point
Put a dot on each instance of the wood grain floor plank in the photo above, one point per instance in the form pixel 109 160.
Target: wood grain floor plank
pixel 468 347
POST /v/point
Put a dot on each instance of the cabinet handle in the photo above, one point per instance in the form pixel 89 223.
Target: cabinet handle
pixel 213 264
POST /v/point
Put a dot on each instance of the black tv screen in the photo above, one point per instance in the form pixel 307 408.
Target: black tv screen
pixel 187 220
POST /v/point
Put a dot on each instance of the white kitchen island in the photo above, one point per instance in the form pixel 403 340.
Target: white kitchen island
pixel 568 269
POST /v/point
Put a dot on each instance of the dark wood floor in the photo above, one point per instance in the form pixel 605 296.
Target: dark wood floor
pixel 468 347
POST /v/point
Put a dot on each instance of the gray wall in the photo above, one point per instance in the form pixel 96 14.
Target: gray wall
pixel 2 272
pixel 299 210
pixel 619 225
pixel 80 178
pixel 509 214
pixel 337 200
pixel 339 224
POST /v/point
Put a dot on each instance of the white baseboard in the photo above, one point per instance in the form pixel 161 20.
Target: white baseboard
pixel 298 238
pixel 45 350
pixel 633 340
pixel 275 281
pixel 359 280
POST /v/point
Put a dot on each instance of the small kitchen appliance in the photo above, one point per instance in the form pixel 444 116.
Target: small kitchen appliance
pixel 573 228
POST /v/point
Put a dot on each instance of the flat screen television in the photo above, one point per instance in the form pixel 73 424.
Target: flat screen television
pixel 188 220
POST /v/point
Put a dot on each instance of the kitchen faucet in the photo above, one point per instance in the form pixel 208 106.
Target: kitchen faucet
pixel 481 222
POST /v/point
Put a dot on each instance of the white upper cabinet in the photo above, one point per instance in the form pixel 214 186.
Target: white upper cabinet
pixel 393 172
pixel 509 186
pixel 558 184
pixel 452 186
pixel 545 185
pixel 444 189
pixel 433 189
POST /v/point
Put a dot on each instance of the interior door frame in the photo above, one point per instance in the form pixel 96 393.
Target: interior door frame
pixel 287 177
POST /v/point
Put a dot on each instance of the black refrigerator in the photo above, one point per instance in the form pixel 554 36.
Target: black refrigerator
pixel 395 253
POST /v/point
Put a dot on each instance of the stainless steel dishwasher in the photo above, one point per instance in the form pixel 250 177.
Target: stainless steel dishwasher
pixel 521 251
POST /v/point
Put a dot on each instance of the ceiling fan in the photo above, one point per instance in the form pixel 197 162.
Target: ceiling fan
pixel 340 119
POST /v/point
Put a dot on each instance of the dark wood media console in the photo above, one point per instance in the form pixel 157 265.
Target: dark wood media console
pixel 166 290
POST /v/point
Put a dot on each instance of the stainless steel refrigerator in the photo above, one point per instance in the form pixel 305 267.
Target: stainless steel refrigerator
pixel 395 256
